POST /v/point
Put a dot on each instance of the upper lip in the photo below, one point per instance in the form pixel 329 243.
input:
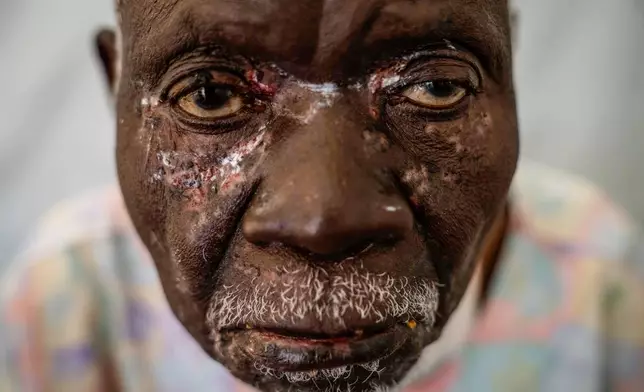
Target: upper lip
pixel 316 336
pixel 324 332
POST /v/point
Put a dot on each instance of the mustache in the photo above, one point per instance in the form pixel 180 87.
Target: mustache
pixel 312 293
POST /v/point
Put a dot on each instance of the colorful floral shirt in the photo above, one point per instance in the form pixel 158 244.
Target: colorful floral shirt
pixel 83 309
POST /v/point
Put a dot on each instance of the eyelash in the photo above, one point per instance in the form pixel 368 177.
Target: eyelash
pixel 397 89
pixel 389 96
pixel 207 126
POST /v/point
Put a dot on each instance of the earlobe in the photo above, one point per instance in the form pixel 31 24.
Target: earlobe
pixel 108 53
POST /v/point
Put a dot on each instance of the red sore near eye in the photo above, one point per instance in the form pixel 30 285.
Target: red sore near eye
pixel 257 85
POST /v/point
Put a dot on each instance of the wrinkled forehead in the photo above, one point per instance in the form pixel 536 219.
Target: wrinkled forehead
pixel 310 34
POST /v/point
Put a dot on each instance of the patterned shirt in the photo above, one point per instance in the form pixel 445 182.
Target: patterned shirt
pixel 83 309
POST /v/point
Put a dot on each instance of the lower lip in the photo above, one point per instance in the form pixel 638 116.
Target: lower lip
pixel 291 354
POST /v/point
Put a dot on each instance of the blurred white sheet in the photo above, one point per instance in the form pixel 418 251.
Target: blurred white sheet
pixel 580 90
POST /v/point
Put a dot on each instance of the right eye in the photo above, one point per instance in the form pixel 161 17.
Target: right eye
pixel 213 101
pixel 209 95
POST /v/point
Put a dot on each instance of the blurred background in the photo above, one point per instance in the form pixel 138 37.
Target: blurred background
pixel 578 72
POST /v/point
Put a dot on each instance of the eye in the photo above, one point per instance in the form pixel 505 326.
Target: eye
pixel 441 94
pixel 209 95
pixel 212 101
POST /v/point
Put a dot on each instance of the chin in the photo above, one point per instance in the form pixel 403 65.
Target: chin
pixel 273 361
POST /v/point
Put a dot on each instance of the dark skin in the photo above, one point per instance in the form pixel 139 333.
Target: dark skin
pixel 315 180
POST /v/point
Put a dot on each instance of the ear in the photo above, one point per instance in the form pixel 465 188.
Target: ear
pixel 106 46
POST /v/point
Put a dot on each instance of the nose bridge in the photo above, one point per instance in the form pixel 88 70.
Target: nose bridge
pixel 325 157
pixel 322 193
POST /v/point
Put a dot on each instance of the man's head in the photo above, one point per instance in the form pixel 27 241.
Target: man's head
pixel 314 179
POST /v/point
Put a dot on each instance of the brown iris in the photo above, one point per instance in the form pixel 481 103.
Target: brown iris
pixel 435 94
pixel 209 95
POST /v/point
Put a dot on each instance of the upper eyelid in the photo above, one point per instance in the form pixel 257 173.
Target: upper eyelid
pixel 430 55
pixel 406 83
pixel 471 66
pixel 201 61
pixel 451 51
pixel 172 91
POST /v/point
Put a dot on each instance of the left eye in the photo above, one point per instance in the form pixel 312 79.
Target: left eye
pixel 212 101
pixel 435 94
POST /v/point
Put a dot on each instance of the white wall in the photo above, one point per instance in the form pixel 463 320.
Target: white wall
pixel 580 80
pixel 56 134
pixel 580 86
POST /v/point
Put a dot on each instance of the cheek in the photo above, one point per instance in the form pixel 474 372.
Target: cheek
pixel 196 176
pixel 194 186
pixel 178 181
pixel 467 160
pixel 457 174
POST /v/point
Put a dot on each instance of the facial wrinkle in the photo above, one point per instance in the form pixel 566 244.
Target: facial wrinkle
pixel 343 25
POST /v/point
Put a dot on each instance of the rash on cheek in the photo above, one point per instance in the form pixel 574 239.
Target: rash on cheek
pixel 196 177
pixel 429 185
pixel 196 167
pixel 475 134
pixel 451 158
pixel 375 142
pixel 418 179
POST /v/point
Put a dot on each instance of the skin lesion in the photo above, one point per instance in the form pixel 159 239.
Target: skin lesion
pixel 195 177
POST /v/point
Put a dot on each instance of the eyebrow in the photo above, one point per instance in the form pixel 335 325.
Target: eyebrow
pixel 185 30
pixel 488 40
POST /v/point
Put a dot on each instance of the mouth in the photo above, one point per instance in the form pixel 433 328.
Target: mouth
pixel 288 351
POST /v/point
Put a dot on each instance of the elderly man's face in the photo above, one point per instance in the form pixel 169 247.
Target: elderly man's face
pixel 314 178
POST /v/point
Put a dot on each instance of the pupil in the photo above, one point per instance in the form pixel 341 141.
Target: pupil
pixel 212 97
pixel 440 89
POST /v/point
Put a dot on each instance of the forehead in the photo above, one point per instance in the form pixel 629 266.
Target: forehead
pixel 329 36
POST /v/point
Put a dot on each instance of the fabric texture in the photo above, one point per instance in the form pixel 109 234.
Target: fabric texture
pixel 83 309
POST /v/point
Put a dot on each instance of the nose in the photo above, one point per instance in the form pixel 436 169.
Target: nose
pixel 320 222
pixel 325 196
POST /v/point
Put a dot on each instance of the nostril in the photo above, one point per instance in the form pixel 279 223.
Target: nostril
pixel 357 250
pixel 331 254
pixel 329 232
pixel 322 244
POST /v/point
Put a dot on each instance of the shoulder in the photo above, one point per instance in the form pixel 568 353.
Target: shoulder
pixel 84 302
pixel 55 297
pixel 585 254
pixel 81 249
pixel 91 216
pixel 567 214
pixel 83 246
pixel 567 226
pixel 73 245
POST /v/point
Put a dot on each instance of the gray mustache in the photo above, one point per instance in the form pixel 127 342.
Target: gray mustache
pixel 311 293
